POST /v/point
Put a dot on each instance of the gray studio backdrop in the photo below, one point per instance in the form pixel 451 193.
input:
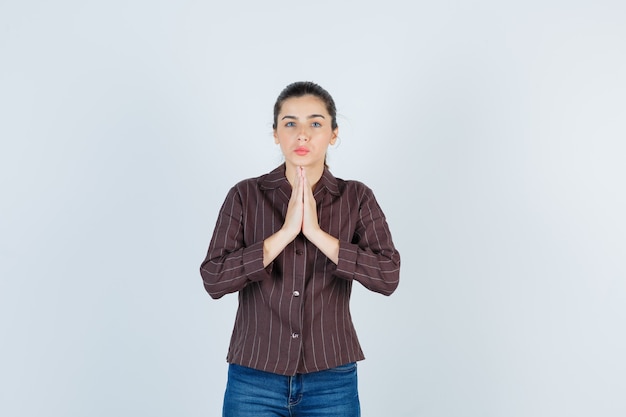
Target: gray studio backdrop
pixel 491 132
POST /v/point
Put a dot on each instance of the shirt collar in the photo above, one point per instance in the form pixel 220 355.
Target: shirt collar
pixel 329 182
pixel 276 179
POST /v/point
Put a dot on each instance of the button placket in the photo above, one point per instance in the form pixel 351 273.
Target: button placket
pixel 299 259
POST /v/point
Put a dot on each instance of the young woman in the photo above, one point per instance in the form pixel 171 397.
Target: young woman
pixel 291 243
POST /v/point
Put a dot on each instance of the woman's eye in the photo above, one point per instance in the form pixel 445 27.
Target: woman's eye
pixel 316 124
pixel 290 124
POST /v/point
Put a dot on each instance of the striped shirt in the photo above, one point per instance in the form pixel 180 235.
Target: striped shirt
pixel 294 315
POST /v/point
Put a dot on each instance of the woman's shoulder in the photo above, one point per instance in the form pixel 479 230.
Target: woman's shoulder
pixel 269 180
pixel 352 187
pixel 356 184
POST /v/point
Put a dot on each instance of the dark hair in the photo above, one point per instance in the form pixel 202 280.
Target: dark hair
pixel 304 88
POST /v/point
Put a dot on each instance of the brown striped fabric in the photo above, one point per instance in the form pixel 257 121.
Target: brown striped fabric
pixel 294 315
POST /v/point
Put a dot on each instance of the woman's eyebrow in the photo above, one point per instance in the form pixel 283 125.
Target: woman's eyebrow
pixel 313 116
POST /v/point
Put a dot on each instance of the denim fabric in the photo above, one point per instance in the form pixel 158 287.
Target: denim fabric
pixel 254 393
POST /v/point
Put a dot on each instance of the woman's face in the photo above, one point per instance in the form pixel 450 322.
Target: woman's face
pixel 304 131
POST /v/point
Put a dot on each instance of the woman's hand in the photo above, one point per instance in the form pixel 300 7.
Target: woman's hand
pixel 301 217
pixel 275 244
pixel 310 224
pixel 295 209
pixel 311 229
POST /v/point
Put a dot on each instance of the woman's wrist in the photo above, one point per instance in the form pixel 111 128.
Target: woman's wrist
pixel 275 244
pixel 328 244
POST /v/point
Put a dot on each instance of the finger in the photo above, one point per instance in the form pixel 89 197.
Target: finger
pixel 305 193
pixel 296 190
pixel 307 184
pixel 309 199
pixel 297 180
pixel 308 192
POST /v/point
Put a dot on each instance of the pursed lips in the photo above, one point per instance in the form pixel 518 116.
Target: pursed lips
pixel 301 150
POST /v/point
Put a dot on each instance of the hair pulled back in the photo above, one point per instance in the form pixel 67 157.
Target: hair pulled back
pixel 305 88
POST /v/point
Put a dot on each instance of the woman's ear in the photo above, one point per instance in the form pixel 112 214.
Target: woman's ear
pixel 333 138
pixel 276 137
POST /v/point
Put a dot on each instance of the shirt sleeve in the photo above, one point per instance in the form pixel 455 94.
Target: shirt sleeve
pixel 230 265
pixel 371 258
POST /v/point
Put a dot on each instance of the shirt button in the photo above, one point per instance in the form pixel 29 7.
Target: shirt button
pixel 296 293
pixel 294 335
pixel 299 252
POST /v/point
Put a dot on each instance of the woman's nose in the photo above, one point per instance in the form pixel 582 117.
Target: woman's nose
pixel 303 136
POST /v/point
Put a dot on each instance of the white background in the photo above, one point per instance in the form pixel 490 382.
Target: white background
pixel 492 133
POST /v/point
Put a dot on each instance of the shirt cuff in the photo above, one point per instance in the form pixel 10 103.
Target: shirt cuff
pixel 253 263
pixel 346 266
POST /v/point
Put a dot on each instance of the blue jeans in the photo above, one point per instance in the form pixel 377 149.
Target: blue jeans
pixel 253 393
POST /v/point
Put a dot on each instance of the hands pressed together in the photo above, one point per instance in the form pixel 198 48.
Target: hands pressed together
pixel 301 217
pixel 301 212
